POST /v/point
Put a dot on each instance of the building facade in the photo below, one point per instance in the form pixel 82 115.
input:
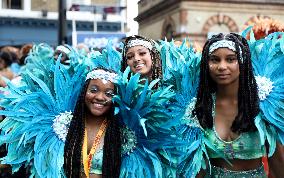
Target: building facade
pixel 36 21
pixel 198 19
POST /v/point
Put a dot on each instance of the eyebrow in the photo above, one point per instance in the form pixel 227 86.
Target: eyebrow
pixel 213 55
pixel 92 85
pixel 139 49
pixel 143 49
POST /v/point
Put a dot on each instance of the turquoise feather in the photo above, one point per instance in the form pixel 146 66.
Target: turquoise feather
pixel 31 109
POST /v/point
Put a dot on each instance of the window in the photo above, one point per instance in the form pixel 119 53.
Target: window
pixel 12 4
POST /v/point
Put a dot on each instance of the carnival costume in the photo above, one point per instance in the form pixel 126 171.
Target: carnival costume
pixel 150 123
pixel 38 114
pixel 182 67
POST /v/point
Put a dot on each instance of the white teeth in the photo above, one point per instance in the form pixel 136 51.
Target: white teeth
pixel 139 65
pixel 98 105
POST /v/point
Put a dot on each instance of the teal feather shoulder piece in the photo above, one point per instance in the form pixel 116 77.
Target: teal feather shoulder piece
pixel 38 113
pixel 140 109
pixel 267 58
pixel 181 69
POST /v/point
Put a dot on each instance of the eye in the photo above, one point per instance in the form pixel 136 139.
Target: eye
pixel 109 93
pixel 232 59
pixel 128 57
pixel 93 89
pixel 214 59
pixel 143 53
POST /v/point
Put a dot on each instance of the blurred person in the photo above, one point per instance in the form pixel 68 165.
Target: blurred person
pixel 5 63
pixel 82 49
pixel 24 51
pixel 15 53
pixel 5 71
pixel 64 51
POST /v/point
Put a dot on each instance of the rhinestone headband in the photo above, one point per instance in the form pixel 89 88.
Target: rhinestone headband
pixel 138 42
pixel 103 75
pixel 224 44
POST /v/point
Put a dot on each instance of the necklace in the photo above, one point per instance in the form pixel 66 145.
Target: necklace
pixel 87 158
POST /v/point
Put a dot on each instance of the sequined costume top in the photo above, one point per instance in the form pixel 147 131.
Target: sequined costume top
pixel 246 146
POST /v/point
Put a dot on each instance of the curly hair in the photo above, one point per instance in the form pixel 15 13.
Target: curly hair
pixel 248 102
pixel 74 142
pixel 156 60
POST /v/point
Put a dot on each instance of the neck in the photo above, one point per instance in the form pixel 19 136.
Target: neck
pixel 230 91
pixel 148 76
pixel 92 120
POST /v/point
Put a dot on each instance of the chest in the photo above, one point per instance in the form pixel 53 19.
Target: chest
pixel 94 139
pixel 223 120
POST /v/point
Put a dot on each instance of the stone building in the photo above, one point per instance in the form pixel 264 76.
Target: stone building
pixel 197 19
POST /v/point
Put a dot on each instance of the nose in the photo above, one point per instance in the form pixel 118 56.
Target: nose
pixel 222 65
pixel 136 58
pixel 100 96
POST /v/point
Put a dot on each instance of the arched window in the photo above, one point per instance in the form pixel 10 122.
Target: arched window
pixel 220 22
pixel 168 30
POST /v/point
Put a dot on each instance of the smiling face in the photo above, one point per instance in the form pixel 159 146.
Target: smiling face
pixel 98 97
pixel 224 67
pixel 139 60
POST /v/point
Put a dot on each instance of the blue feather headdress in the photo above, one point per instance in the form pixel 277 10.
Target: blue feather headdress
pixel 38 113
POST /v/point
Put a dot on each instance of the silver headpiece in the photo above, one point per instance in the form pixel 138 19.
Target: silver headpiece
pixel 139 42
pixel 224 44
pixel 103 75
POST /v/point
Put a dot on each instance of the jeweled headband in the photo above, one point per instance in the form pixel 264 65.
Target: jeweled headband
pixel 224 44
pixel 103 75
pixel 139 42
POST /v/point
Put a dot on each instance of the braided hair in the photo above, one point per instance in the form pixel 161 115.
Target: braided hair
pixel 248 102
pixel 155 55
pixel 74 142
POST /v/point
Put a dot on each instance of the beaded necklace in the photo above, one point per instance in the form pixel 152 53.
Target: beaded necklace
pixel 87 158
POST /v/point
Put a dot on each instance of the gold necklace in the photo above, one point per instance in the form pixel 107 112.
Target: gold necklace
pixel 87 158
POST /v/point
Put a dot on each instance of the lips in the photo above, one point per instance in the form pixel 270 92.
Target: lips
pixel 223 76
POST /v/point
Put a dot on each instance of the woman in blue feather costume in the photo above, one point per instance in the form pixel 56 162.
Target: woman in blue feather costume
pixel 237 105
pixel 142 55
pixel 92 147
